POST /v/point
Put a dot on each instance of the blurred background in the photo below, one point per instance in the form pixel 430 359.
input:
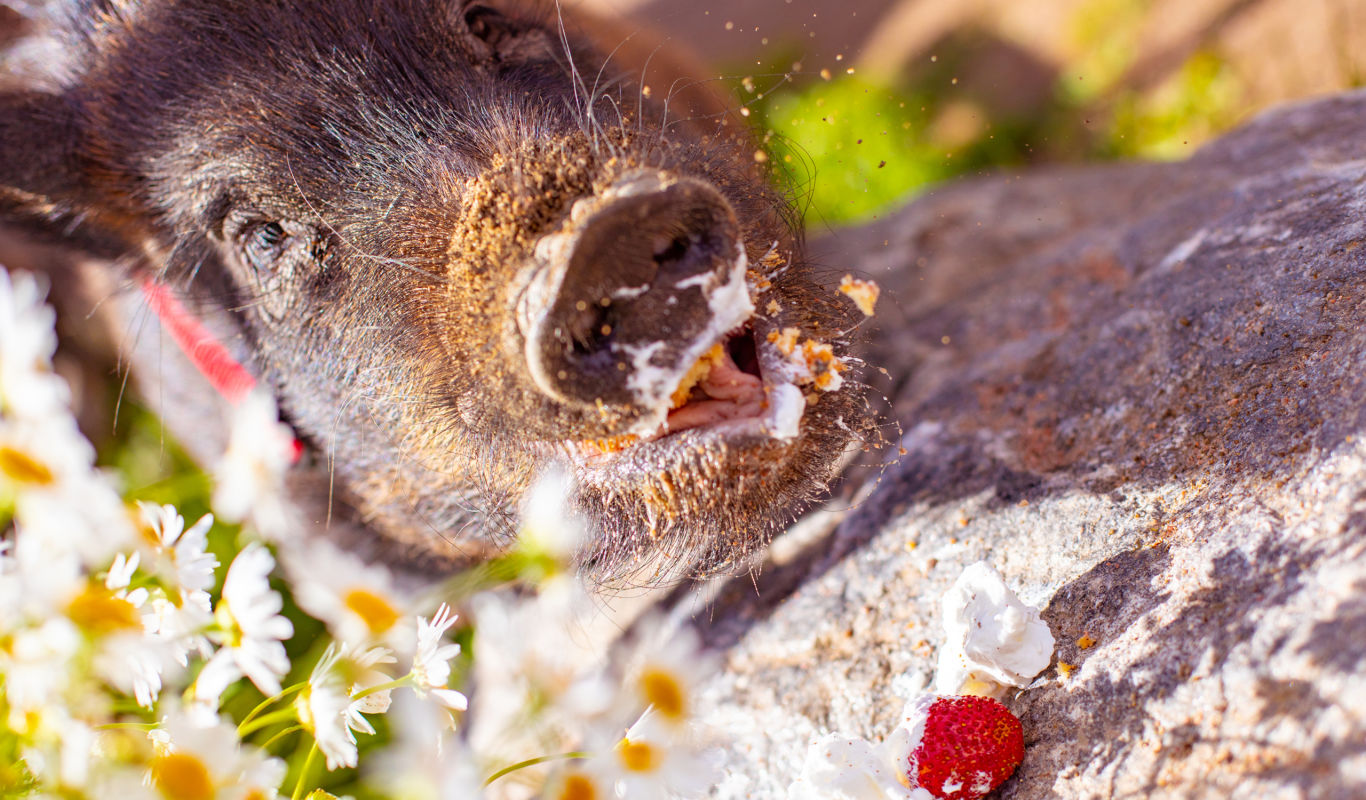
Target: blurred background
pixel 868 101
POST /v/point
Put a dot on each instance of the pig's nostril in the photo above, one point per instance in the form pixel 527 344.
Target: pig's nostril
pixel 590 328
pixel 672 250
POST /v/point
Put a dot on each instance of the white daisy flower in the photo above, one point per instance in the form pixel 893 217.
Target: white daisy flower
pixel 28 387
pixel 366 677
pixel 36 666
pixel 668 667
pixel 360 603
pixel 426 761
pixel 324 714
pixel 431 663
pixel 250 477
pixel 133 664
pixel 179 554
pixel 548 524
pixel 251 630
pixel 193 761
pixel 101 612
pixel 656 761
pixel 60 751
pixel 181 614
pixel 120 576
pixel 329 713
pixel 59 497
pixel 125 656
pixel 539 654
pixel 579 782
pixel 181 625
pixel 41 578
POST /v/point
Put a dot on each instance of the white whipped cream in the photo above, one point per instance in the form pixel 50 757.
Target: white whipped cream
pixel 992 640
pixel 786 406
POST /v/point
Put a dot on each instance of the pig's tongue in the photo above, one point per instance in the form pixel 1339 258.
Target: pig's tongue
pixel 728 393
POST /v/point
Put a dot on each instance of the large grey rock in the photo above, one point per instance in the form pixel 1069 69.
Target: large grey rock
pixel 1138 391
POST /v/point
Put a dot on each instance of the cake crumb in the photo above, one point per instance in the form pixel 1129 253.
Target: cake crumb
pixel 863 293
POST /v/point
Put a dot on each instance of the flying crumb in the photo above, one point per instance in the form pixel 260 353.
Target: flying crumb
pixel 824 365
pixel 863 293
pixel 815 361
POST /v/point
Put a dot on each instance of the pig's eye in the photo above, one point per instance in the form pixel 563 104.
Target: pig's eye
pixel 489 25
pixel 264 243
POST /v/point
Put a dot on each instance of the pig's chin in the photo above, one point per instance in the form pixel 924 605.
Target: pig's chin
pixel 730 465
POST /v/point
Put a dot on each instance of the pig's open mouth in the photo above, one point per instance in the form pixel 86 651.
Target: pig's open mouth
pixel 741 388
pixel 725 384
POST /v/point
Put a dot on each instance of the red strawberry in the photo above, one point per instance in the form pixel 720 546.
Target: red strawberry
pixel 970 746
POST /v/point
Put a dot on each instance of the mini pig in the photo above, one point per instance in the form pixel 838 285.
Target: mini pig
pixel 462 243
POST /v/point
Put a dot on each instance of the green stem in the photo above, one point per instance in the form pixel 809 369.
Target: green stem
pixel 531 762
pixel 272 740
pixel 383 687
pixel 303 773
pixel 271 700
pixel 247 728
pixel 485 576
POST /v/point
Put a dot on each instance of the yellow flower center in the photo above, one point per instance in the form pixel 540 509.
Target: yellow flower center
pixel 146 532
pixel 20 467
pixel 182 777
pixel 577 786
pixel 664 691
pixel 232 631
pixel 639 756
pixel 373 610
pixel 304 710
pixel 97 610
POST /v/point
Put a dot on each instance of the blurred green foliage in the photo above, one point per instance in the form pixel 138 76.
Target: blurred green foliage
pixel 1202 100
pixel 848 147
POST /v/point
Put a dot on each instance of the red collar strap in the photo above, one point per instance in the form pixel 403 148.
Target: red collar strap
pixel 225 373
pixel 228 377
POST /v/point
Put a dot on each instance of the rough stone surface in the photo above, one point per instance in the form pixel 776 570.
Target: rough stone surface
pixel 1138 392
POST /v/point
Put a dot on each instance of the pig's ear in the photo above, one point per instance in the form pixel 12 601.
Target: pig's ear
pixel 44 189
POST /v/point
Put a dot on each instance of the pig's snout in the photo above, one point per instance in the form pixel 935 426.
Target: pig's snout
pixel 639 282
